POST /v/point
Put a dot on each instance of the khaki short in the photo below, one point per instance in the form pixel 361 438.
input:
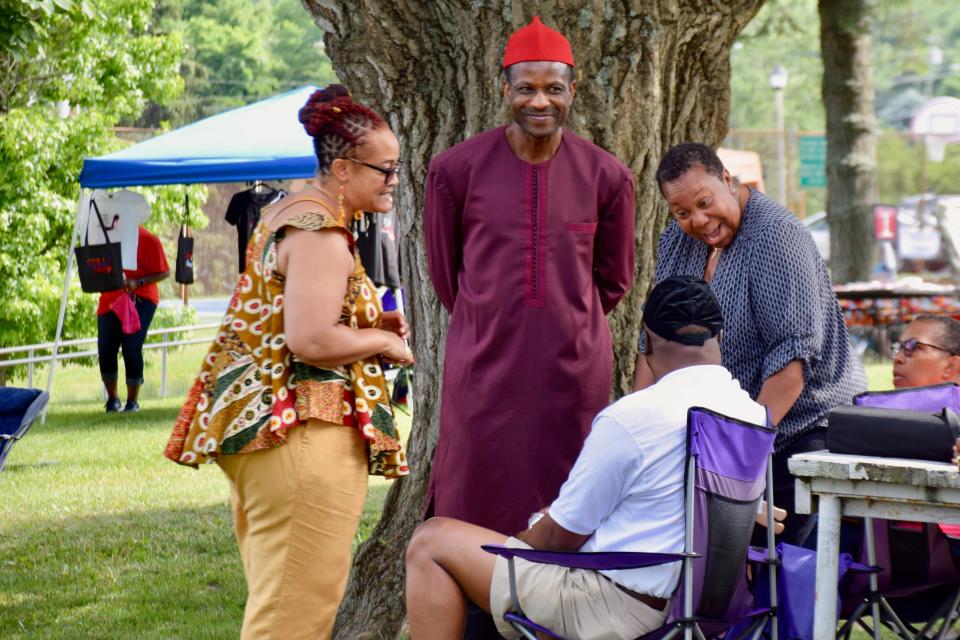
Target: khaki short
pixel 575 603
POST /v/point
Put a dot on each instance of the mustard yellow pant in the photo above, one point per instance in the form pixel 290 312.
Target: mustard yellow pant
pixel 296 510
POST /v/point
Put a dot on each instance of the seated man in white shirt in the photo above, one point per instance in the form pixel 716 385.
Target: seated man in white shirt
pixel 624 493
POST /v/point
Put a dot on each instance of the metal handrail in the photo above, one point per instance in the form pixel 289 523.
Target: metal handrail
pixel 33 359
pixel 43 346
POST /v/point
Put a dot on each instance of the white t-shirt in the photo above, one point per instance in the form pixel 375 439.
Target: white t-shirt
pixel 123 212
pixel 626 488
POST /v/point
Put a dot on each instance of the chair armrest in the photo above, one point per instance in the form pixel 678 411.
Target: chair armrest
pixel 526 623
pixel 596 561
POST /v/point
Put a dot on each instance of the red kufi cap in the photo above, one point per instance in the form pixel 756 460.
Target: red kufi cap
pixel 535 42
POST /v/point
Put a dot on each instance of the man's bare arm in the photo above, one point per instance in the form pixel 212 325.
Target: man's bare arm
pixel 547 534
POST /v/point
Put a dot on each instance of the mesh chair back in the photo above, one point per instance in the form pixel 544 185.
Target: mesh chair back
pixel 18 408
pixel 728 461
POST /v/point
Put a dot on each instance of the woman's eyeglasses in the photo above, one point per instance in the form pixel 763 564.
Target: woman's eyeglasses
pixel 909 347
pixel 388 174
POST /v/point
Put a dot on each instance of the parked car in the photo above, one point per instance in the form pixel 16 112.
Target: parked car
pixel 817 226
pixel 919 246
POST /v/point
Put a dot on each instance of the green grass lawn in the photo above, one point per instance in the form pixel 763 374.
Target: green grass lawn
pixel 879 376
pixel 100 536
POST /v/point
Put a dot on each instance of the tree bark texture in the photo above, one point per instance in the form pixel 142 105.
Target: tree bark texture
pixel 851 135
pixel 651 73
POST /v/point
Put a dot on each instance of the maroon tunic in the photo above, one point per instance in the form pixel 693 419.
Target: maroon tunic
pixel 527 258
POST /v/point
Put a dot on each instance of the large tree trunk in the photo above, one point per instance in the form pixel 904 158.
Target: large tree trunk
pixel 851 139
pixel 650 74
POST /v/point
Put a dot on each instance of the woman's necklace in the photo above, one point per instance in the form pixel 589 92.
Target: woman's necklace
pixel 712 261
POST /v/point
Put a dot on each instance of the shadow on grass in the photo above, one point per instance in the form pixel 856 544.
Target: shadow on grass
pixel 166 573
pixel 171 573
pixel 89 417
pixel 28 466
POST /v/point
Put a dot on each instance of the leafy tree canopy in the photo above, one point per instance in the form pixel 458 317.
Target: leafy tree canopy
pixel 237 52
pixel 787 32
pixel 105 60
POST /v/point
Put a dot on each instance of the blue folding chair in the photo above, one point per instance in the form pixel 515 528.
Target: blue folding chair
pixel 931 545
pixel 727 466
pixel 18 409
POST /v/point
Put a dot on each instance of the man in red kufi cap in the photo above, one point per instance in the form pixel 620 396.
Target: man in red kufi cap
pixel 530 241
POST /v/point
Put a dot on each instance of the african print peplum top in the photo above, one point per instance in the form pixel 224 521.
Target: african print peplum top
pixel 251 389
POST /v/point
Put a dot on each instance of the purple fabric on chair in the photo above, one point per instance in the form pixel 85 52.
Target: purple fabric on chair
pixel 728 452
pixel 932 550
pixel 927 399
pixel 713 482
pixel 594 561
pixel 731 458
pixel 796 581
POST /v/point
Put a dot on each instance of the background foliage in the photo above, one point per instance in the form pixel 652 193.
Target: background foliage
pixel 237 52
pixel 906 34
pixel 787 32
pixel 104 60
pixel 153 63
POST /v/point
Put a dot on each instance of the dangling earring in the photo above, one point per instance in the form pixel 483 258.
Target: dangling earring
pixel 340 210
pixel 357 214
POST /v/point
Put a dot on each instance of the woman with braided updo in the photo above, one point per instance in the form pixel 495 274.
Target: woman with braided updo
pixel 291 400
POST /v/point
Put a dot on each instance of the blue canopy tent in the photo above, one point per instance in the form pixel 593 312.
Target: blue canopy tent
pixel 261 141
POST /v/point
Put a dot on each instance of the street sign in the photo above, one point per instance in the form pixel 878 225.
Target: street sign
pixel 884 222
pixel 813 161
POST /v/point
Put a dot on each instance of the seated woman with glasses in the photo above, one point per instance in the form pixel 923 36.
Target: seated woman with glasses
pixel 928 352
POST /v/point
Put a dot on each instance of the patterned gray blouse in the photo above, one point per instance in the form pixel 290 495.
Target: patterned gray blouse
pixel 778 305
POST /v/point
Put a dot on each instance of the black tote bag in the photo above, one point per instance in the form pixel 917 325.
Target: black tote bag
pixel 100 266
pixel 183 273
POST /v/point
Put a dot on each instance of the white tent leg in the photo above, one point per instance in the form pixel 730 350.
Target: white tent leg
pixel 63 299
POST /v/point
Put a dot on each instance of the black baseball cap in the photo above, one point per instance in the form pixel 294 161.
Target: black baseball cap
pixel 681 301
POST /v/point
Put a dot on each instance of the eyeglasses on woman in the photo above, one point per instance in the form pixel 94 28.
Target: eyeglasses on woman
pixel 388 173
pixel 909 347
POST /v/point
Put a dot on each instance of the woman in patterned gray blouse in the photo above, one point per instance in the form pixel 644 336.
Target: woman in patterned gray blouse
pixel 784 337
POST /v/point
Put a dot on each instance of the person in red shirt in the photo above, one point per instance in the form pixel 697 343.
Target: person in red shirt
pixel 141 284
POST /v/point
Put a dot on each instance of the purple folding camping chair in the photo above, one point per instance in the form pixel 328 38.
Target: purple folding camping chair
pixel 929 563
pixel 727 468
